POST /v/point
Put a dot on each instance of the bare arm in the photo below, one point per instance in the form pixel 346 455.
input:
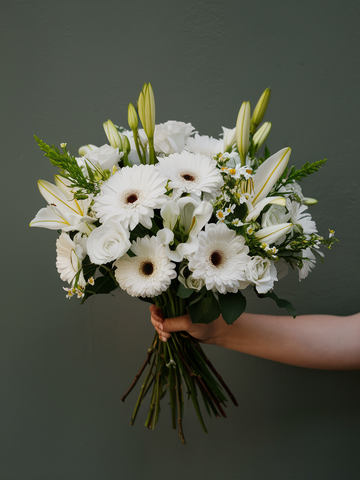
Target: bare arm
pixel 312 341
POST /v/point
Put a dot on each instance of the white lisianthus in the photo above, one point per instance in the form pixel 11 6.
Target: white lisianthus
pixel 108 242
pixel 292 189
pixel 70 254
pixel 262 273
pixel 205 145
pixel 104 157
pixel 131 195
pixel 149 273
pixel 170 137
pixel 191 173
pixel 221 259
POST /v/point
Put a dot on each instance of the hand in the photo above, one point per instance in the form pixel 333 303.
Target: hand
pixel 205 333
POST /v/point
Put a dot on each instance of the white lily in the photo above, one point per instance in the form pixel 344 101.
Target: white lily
pixel 269 235
pixel 64 212
pixel 191 216
pixel 264 179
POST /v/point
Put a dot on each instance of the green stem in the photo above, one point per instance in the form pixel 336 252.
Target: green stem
pixel 152 156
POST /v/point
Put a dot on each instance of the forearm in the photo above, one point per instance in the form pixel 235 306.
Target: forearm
pixel 312 341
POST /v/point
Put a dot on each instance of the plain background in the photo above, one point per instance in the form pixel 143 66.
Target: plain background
pixel 68 66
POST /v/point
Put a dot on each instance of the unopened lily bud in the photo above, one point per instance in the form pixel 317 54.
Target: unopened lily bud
pixel 242 131
pixel 146 108
pixel 132 117
pixel 229 138
pixel 127 146
pixel 309 201
pixel 259 111
pixel 261 135
pixel 85 149
pixel 113 135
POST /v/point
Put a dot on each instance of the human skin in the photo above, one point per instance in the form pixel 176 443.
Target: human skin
pixel 326 342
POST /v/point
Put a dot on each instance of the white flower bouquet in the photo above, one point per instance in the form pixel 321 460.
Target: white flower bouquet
pixel 183 221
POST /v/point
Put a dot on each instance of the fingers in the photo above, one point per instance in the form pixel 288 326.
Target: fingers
pixel 165 327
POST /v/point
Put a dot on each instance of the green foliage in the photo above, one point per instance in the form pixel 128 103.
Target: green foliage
pixel 232 306
pixel 70 169
pixel 298 175
pixel 206 309
pixel 281 303
pixel 184 292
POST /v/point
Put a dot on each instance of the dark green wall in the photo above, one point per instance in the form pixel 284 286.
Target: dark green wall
pixel 66 67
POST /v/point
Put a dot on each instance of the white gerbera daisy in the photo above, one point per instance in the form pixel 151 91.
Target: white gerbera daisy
pixel 191 173
pixel 204 144
pixel 69 259
pixel 131 195
pixel 149 273
pixel 221 259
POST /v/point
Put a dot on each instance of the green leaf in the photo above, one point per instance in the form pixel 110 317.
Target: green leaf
pixel 103 285
pixel 206 310
pixel 232 306
pixel 267 152
pixel 281 303
pixel 184 292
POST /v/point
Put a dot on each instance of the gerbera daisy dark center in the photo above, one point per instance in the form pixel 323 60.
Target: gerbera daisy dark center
pixel 147 268
pixel 216 259
pixel 188 177
pixel 131 198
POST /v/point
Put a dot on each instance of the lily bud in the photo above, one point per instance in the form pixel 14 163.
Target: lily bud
pixel 85 149
pixel 127 146
pixel 259 111
pixel 113 135
pixel 261 135
pixel 269 235
pixel 132 117
pixel 242 131
pixel 146 108
pixel 309 201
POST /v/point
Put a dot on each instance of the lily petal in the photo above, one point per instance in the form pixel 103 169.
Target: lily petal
pixel 50 217
pixel 254 212
pixel 55 196
pixel 269 173
pixel 269 235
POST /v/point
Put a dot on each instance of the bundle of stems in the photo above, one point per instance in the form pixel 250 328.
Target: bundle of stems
pixel 179 366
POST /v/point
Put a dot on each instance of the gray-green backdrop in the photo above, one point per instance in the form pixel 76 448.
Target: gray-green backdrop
pixel 66 67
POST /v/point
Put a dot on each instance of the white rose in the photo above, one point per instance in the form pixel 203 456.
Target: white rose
pixel 170 137
pixel 105 157
pixel 108 242
pixel 262 273
pixel 274 216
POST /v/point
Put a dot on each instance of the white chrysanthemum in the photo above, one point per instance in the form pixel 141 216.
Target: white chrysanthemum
pixel 221 259
pixel 131 195
pixel 298 217
pixel 204 144
pixel 149 273
pixel 309 261
pixel 170 137
pixel 191 173
pixel 69 259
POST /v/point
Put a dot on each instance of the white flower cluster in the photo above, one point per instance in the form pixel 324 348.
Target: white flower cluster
pixel 198 210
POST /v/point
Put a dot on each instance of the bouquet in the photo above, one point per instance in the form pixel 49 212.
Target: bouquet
pixel 186 222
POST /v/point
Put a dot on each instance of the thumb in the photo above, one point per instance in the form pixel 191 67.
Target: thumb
pixel 177 324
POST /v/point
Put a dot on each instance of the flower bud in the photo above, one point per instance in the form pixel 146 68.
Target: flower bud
pixel 85 149
pixel 309 201
pixel 127 146
pixel 261 135
pixel 260 110
pixel 146 108
pixel 113 135
pixel 132 117
pixel 242 131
